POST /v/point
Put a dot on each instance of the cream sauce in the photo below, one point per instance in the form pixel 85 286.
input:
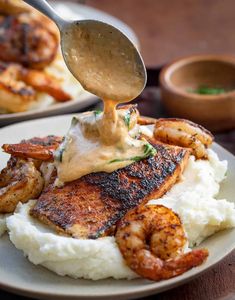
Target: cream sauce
pixel 103 60
pixel 105 141
pixel 101 142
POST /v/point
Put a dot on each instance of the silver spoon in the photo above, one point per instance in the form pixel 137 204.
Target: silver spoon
pixel 100 56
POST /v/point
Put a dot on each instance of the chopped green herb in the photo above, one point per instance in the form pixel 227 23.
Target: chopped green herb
pixel 97 112
pixel 149 150
pixel 127 119
pixel 138 158
pixel 117 160
pixel 204 90
pixel 59 153
pixel 74 121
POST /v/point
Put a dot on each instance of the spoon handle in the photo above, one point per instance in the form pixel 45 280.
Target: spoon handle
pixel 46 9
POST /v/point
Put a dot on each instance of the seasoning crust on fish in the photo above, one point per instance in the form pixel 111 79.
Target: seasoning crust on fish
pixel 89 207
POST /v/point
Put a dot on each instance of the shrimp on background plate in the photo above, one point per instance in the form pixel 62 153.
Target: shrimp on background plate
pixel 28 38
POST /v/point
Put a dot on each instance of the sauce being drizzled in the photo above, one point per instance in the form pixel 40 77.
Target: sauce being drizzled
pixel 101 141
pixel 104 61
pixel 107 64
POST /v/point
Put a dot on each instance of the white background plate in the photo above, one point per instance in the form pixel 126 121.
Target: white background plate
pixel 18 275
pixel 85 99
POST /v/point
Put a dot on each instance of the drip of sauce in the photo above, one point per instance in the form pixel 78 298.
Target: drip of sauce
pixel 100 141
pixel 106 141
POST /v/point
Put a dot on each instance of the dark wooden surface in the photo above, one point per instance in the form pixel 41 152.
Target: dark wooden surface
pixel 171 28
pixel 168 29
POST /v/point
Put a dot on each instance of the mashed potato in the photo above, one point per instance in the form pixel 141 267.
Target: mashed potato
pixel 193 199
pixel 91 259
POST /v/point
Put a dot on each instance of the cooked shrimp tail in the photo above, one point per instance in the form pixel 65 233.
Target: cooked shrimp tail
pixel 46 83
pixel 28 151
pixel 18 86
pixel 151 239
pixel 146 120
pixel 153 268
pixel 36 148
pixel 185 262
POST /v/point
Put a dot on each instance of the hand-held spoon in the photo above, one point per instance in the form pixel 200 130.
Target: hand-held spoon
pixel 100 56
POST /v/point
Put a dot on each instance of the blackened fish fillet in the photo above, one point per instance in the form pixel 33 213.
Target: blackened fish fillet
pixel 89 207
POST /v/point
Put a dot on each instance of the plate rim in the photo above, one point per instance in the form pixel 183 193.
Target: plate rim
pixel 88 100
pixel 138 291
pixel 125 295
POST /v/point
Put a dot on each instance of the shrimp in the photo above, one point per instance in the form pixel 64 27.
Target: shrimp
pixel 184 133
pixel 146 121
pixel 19 182
pixel 13 7
pixel 15 95
pixel 43 82
pixel 35 148
pixel 29 151
pixel 151 239
pixel 23 38
pixel 18 87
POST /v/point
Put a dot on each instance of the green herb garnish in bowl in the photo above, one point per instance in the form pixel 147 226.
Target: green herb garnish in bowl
pixel 205 90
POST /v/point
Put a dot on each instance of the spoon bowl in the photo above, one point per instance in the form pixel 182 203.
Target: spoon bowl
pixel 100 56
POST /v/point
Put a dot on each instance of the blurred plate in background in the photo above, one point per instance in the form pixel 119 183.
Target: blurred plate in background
pixel 71 11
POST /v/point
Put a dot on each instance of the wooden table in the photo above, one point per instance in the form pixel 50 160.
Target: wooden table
pixel 168 29
pixel 171 28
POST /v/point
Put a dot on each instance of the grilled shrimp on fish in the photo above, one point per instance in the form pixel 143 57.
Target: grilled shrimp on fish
pixel 19 182
pixel 151 239
pixel 35 148
pixel 184 133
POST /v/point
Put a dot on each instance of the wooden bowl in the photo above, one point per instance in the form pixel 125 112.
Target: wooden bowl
pixel 178 79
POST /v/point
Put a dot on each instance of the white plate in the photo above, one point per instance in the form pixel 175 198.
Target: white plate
pixel 79 11
pixel 18 275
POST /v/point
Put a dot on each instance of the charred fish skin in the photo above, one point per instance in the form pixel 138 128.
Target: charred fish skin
pixel 88 207
pixel 138 180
